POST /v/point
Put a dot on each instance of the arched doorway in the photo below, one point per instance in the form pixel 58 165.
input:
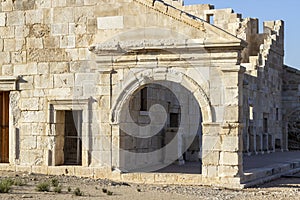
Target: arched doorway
pixel 160 125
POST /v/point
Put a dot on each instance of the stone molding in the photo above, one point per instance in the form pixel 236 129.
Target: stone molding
pixel 146 77
pixel 8 83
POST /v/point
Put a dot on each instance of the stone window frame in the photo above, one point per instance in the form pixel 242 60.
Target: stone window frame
pixel 56 106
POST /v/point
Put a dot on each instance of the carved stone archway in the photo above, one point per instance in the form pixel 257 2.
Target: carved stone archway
pixel 162 76
pixel 150 76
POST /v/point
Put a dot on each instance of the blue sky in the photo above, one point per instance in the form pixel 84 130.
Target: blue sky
pixel 266 10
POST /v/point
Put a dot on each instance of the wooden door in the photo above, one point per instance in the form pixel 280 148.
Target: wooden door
pixel 4 127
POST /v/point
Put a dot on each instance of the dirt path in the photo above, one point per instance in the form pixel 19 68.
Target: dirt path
pixel 284 188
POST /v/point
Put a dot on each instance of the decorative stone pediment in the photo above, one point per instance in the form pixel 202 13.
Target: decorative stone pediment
pixel 8 83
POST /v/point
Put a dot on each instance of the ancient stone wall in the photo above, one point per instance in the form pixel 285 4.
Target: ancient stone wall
pixel 262 94
pixel 291 105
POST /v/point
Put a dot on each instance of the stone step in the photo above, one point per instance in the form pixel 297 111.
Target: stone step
pixel 261 175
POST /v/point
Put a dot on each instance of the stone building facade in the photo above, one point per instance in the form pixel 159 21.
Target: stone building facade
pixel 115 89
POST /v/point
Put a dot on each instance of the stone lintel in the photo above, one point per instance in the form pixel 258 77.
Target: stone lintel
pixel 8 83
pixel 237 68
pixel 65 104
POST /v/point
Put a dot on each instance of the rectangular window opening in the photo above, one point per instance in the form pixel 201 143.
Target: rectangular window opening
pixel 277 114
pixel 144 97
pixel 210 18
pixel 250 112
pixel 4 127
pixel 174 120
pixel 73 138
pixel 265 123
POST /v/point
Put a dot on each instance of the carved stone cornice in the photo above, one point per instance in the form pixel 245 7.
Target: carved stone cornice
pixel 8 83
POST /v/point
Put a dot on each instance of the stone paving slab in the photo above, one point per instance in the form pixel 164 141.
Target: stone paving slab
pixel 263 168
pixel 267 160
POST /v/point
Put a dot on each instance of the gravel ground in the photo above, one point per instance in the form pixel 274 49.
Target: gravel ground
pixel 284 188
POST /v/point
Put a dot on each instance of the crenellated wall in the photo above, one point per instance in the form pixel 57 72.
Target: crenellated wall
pixel 262 93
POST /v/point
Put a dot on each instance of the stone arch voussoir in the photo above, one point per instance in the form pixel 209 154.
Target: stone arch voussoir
pixel 140 78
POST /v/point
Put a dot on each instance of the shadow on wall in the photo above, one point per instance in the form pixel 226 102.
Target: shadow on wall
pixel 162 128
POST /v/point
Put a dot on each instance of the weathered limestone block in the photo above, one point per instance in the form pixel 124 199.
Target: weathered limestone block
pixel 85 54
pixel 2 19
pixel 90 2
pixel 39 129
pixel 231 96
pixel 43 3
pixel 59 29
pixel 60 92
pixel 46 55
pixel 33 116
pixel 57 3
pixel 210 157
pixel 59 68
pixel 231 113
pixel 63 80
pixel 7 5
pixel 21 32
pixel 38 30
pixel 16 18
pixel 36 43
pixel 164 178
pixel 51 42
pixel 63 13
pixel 5 58
pixel 43 81
pixel 24 5
pixel 230 143
pixel 91 26
pixel 7 32
pixel 84 40
pixel 228 171
pixel 27 69
pixel 114 22
pixel 18 57
pixel 7 70
pixel 31 157
pixel 43 68
pixel 67 41
pixel 34 16
pixel 212 143
pixel 89 89
pixel 229 158
pixel 74 55
pixel 28 142
pixel 210 171
pixel 102 172
pixel 30 104
pixel 77 28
